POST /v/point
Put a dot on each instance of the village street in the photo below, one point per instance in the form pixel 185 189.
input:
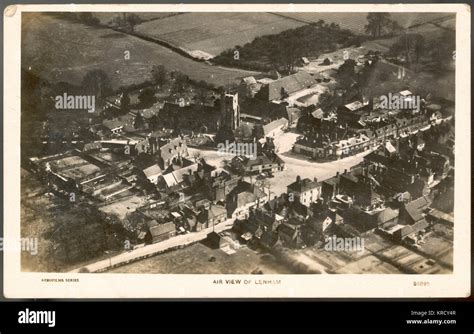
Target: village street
pixel 295 164
pixel 299 165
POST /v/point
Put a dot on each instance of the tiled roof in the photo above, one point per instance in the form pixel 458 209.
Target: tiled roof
pixel 415 208
pixel 152 170
pixel 291 84
pixel 161 229
pixel 274 125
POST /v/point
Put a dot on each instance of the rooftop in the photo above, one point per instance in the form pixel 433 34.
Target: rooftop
pixel 303 185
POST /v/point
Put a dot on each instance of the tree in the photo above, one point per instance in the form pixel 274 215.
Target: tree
pixel 158 74
pixel 88 18
pixel 147 96
pixel 283 93
pixel 117 21
pixel 408 45
pixel 154 122
pixel 125 101
pixel 201 95
pixel 326 100
pixel 96 82
pixel 139 123
pixel 287 51
pixel 180 82
pixel 376 23
pixel 346 73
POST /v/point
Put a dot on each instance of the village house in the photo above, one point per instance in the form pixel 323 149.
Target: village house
pixel 305 191
pixel 263 163
pixel 275 128
pixel 211 216
pixel 360 187
pixel 291 234
pixel 352 145
pixel 248 87
pixel 281 88
pixel 364 220
pixel 330 187
pixel 293 115
pixel 123 123
pixel 220 184
pixel 171 149
pixel 315 146
pixel 268 220
pixel 150 173
pixel 244 197
pixel 177 178
pixel 159 232
pixel 411 221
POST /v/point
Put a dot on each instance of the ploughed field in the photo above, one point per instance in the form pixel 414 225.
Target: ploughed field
pixel 60 50
pixel 213 33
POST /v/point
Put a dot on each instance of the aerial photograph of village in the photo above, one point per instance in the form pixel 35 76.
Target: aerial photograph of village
pixel 238 142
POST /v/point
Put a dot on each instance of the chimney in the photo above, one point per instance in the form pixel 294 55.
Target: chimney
pixel 315 180
pixel 345 171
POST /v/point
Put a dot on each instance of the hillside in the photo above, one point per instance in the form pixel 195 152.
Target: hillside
pixel 60 50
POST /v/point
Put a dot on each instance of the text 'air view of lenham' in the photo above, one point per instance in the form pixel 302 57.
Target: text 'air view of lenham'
pixel 238 143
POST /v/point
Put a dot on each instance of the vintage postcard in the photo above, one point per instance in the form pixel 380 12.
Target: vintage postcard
pixel 239 151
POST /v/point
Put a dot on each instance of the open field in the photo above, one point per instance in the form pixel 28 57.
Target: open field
pixel 194 31
pixel 356 21
pixel 107 17
pixel 60 50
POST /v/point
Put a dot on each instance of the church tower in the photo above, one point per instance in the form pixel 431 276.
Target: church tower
pixel 230 111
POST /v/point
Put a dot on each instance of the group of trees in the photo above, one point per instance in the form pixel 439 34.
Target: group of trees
pixel 411 46
pixel 414 47
pixel 127 21
pixel 380 24
pixel 283 51
pixel 96 82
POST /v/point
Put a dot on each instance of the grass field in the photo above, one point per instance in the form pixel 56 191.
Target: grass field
pixel 60 50
pixel 107 17
pixel 194 259
pixel 215 32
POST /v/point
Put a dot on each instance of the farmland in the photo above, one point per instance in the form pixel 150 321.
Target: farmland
pixel 107 17
pixel 356 21
pixel 60 50
pixel 194 31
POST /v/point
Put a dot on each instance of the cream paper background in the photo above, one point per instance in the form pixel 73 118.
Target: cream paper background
pixel 19 284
